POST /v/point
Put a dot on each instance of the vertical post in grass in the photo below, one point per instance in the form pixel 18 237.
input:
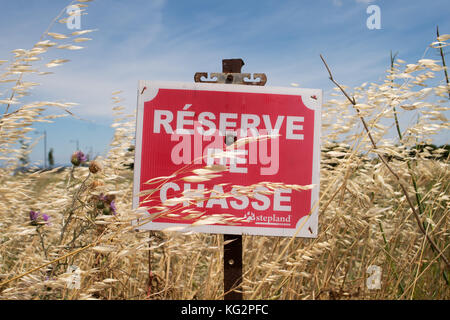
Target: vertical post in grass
pixel 232 249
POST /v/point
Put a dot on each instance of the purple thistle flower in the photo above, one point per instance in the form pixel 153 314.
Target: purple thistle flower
pixel 113 207
pixel 81 157
pixel 34 215
pixel 78 158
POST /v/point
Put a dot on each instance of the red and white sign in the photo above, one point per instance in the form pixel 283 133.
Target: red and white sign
pixel 184 126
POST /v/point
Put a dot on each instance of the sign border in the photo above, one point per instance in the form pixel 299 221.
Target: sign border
pixel 147 90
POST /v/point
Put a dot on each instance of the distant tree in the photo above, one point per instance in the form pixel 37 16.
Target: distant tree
pixel 130 165
pixel 51 159
pixel 430 151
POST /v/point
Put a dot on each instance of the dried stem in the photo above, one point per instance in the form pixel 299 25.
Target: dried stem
pixel 41 238
pixel 443 61
pixel 396 176
pixel 397 125
pixel 400 136
pixel 41 38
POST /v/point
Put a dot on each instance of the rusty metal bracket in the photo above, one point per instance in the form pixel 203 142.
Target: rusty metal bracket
pixel 259 79
pixel 230 75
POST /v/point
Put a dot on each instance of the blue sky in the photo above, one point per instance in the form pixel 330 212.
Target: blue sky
pixel 171 40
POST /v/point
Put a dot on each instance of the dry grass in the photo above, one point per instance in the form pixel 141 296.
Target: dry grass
pixel 364 217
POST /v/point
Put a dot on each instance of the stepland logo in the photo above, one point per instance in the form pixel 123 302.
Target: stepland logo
pixel 273 220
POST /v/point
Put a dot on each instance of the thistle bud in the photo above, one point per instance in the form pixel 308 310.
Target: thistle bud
pixel 36 218
pixel 100 205
pixel 78 158
pixel 96 183
pixel 95 166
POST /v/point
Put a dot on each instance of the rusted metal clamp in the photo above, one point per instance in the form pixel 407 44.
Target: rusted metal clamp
pixel 230 76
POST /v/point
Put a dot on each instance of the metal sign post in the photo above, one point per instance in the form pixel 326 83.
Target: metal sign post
pixel 173 121
pixel 232 250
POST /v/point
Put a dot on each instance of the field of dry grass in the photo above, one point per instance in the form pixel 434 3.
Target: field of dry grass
pixel 380 204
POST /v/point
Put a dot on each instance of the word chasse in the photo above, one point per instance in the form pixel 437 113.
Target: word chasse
pixel 262 201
